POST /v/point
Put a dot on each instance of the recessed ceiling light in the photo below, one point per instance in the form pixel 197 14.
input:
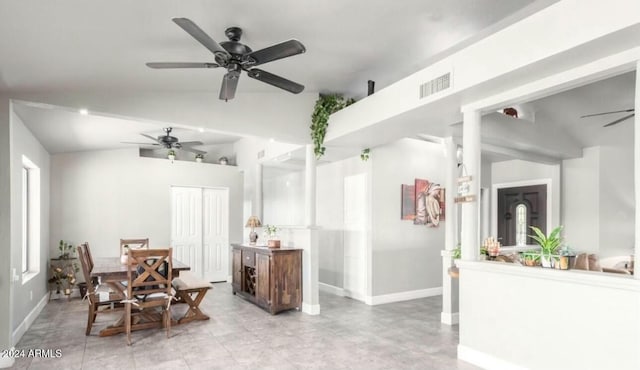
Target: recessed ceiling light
pixel 84 111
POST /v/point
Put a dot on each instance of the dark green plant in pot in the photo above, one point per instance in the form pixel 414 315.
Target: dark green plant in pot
pixel 325 106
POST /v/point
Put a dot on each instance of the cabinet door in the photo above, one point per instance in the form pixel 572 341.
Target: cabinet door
pixel 287 276
pixel 237 270
pixel 263 264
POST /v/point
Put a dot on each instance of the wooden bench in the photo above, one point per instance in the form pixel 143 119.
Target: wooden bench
pixel 186 286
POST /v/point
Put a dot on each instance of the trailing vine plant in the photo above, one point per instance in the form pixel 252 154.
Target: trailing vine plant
pixel 325 106
pixel 365 154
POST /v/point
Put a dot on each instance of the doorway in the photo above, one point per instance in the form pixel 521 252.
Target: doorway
pixel 518 209
pixel 200 230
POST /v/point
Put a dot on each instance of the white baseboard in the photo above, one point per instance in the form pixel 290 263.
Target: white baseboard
pixel 448 318
pixel 31 317
pixel 404 296
pixel 6 362
pixel 311 309
pixel 484 360
pixel 331 289
pixel 75 293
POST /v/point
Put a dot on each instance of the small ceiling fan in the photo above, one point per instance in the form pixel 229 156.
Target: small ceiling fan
pixel 632 111
pixel 171 142
pixel 236 57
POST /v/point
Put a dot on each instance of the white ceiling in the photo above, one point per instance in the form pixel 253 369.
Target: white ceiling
pixel 62 130
pixel 103 45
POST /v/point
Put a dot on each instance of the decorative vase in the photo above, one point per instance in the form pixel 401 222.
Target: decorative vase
pixel 454 272
pixel 273 243
pixel 545 260
pixel 199 160
pixel 171 157
pixel 223 161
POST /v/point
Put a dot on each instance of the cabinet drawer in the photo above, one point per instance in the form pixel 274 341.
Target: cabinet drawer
pixel 249 258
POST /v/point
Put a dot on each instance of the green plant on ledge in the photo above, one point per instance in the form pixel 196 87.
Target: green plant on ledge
pixel 325 106
pixel 66 250
pixel 365 154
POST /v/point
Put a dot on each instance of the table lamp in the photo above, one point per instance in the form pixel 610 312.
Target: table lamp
pixel 253 222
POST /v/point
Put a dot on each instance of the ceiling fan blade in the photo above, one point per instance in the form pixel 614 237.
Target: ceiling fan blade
pixel 130 142
pixel 619 120
pixel 602 114
pixel 152 138
pixel 162 65
pixel 190 143
pixel 276 81
pixel 275 52
pixel 189 149
pixel 229 86
pixel 198 34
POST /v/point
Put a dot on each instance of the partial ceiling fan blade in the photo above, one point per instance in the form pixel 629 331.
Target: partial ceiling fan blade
pixel 163 65
pixel 152 138
pixel 198 34
pixel 602 114
pixel 132 142
pixel 189 149
pixel 619 120
pixel 190 143
pixel 275 52
pixel 276 81
pixel 229 86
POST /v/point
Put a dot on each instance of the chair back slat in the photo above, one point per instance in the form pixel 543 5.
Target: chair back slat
pixel 134 244
pixel 149 271
pixel 89 255
pixel 86 270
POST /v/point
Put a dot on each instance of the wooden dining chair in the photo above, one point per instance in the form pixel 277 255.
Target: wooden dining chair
pixel 148 285
pixel 134 244
pixel 97 303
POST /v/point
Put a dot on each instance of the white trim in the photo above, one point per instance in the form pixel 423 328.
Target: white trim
pixel 404 296
pixel 229 279
pixel 331 289
pixel 494 199
pixel 6 362
pixel 485 360
pixel 450 318
pixel 26 323
pixel 311 309
pixel 582 277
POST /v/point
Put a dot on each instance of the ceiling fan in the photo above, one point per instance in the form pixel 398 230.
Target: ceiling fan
pixel 171 142
pixel 632 111
pixel 236 57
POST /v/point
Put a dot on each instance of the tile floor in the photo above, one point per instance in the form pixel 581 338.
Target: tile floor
pixel 346 335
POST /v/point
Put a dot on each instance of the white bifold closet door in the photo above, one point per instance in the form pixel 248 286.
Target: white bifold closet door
pixel 200 230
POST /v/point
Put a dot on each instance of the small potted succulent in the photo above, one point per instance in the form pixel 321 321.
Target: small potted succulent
pixel 171 154
pixel 549 244
pixel 199 157
pixel 271 233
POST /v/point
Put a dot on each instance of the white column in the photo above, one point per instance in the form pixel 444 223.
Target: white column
pixel 257 206
pixel 471 161
pixel 310 187
pixel 449 314
pixel 636 169
pixel 310 255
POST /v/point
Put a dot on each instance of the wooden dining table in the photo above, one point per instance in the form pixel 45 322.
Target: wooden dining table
pixel 111 272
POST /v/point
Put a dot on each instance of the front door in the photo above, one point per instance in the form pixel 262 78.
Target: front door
pixel 519 208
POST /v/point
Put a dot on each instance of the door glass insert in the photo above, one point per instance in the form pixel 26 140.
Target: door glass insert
pixel 521 224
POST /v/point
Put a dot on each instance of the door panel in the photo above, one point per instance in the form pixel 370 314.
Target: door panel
pixel 186 226
pixel 237 270
pixel 534 198
pixel 215 236
pixel 262 284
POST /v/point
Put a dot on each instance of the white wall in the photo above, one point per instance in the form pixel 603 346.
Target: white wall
pixel 598 203
pixel 24 143
pixel 102 196
pixel 406 257
pixel 514 317
pixel 581 201
pixel 282 196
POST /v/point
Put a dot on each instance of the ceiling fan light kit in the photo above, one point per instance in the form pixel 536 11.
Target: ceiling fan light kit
pixel 171 142
pixel 236 57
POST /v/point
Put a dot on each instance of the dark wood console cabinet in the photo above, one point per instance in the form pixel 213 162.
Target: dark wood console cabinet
pixel 269 277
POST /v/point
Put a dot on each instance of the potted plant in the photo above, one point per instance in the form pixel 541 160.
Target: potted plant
pixel 453 271
pixel 171 154
pixel 530 258
pixel 66 250
pixel 271 233
pixel 549 244
pixel 199 157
